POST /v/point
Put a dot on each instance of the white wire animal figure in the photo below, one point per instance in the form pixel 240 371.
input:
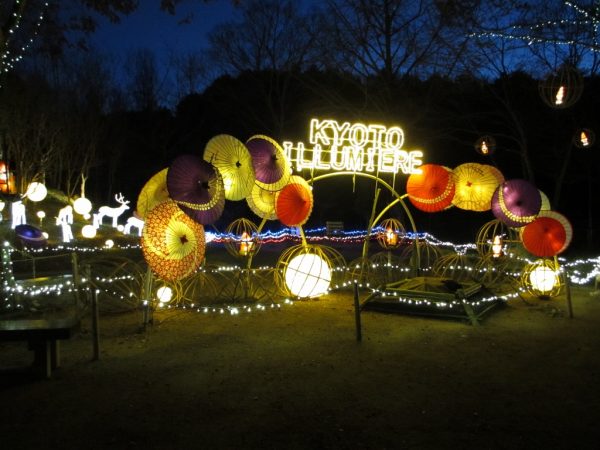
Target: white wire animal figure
pixel 134 222
pixel 17 212
pixel 114 213
pixel 65 215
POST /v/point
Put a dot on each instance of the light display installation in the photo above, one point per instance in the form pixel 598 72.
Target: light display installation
pixel 353 147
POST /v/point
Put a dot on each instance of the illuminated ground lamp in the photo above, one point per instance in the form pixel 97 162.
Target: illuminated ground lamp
pixel 41 215
pixel 88 231
pixel 561 89
pixel 584 138
pixel 308 275
pixel 307 271
pixel 391 235
pixel 485 145
pixel 82 206
pixel 164 294
pixel 243 238
pixel 541 278
pixel 494 240
pixel 36 191
pixel 109 243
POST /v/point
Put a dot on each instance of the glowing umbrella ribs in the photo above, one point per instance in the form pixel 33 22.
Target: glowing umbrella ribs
pixel 197 187
pixel 516 202
pixel 432 190
pixel 475 186
pixel 154 192
pixel 234 162
pixel 294 203
pixel 548 235
pixel 173 244
pixel 271 167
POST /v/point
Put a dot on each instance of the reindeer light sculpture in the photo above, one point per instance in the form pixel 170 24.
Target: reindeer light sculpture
pixel 114 213
pixel 134 222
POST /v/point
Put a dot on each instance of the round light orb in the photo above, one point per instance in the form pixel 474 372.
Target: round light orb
pixel 543 279
pixel 41 214
pixel 82 206
pixel 109 243
pixel 164 294
pixel 120 228
pixel 45 234
pixel 88 231
pixel 87 216
pixel 36 192
pixel 308 275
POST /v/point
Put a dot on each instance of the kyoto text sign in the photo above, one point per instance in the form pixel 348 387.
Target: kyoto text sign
pixel 353 147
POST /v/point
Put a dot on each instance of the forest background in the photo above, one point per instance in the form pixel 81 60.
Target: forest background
pixel 447 72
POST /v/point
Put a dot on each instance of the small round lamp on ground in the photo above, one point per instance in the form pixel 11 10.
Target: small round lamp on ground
pixel 542 278
pixel 88 231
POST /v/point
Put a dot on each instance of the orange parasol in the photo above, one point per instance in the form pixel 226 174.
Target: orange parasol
pixel 294 203
pixel 548 235
pixel 233 160
pixel 262 203
pixel 475 186
pixel 154 192
pixel 432 190
pixel 172 242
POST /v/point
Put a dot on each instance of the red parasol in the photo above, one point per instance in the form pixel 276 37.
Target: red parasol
pixel 548 235
pixel 197 187
pixel 293 204
pixel 432 190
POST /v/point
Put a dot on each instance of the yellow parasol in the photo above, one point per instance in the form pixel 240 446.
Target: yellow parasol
pixel 475 186
pixel 154 192
pixel 233 160
pixel 262 203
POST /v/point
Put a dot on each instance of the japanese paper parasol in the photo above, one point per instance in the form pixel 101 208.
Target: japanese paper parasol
pixel 154 192
pixel 475 186
pixel 432 190
pixel 546 206
pixel 271 167
pixel 294 203
pixel 496 172
pixel 234 162
pixel 172 243
pixel 197 187
pixel 262 203
pixel 548 235
pixel 516 202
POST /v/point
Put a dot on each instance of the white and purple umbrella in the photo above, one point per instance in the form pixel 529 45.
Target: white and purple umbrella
pixel 271 167
pixel 516 202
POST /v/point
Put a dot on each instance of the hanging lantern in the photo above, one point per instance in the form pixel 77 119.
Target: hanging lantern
pixel 562 88
pixel 391 235
pixel 584 138
pixel 485 145
pixel 541 278
pixel 243 239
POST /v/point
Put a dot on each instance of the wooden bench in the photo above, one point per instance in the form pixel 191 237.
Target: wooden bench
pixel 43 336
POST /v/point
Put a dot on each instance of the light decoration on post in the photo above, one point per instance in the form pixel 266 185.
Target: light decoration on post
pixel 562 88
pixel 243 240
pixel 584 138
pixel 36 191
pixel 541 278
pixel 485 145
pixel 41 215
pixel 353 147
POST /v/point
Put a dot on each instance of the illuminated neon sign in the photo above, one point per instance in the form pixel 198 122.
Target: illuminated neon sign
pixel 353 147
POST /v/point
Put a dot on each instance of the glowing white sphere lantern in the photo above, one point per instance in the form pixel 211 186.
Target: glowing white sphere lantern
pixel 109 243
pixel 88 231
pixel 36 192
pixel 82 206
pixel 543 279
pixel 308 275
pixel 164 294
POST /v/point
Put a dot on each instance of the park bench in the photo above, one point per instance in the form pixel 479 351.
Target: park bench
pixel 42 332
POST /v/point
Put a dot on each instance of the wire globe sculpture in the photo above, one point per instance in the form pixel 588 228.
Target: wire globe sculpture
pixel 497 239
pixel 457 266
pixel 420 255
pixel 391 235
pixel 562 88
pixel 309 271
pixel 243 240
pixel 485 145
pixel 542 278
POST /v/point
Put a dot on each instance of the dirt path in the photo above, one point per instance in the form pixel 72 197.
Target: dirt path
pixel 293 379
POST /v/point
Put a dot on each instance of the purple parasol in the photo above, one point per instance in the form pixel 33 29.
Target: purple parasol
pixel 516 202
pixel 197 188
pixel 271 167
